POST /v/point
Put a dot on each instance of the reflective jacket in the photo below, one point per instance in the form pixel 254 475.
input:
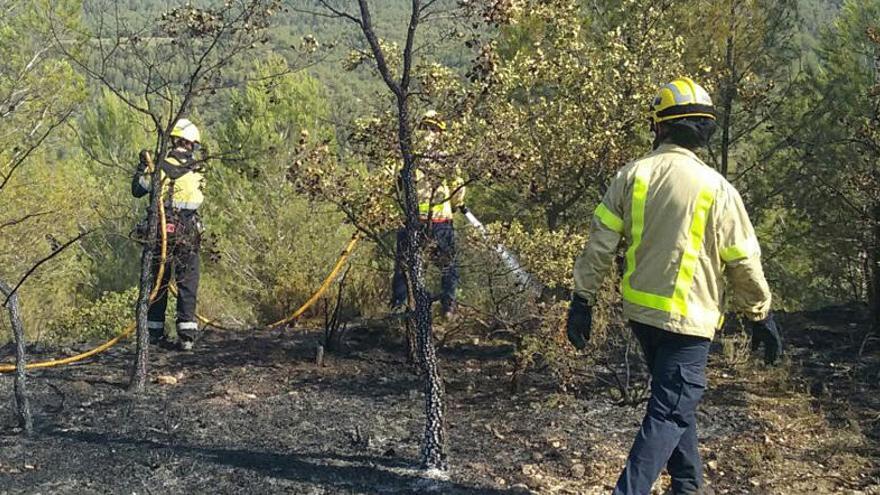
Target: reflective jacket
pixel 437 198
pixel 685 230
pixel 177 168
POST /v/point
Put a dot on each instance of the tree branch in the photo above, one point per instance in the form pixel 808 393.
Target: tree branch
pixel 410 39
pixel 44 260
pixel 19 158
pixel 366 25
pixel 339 13
pixel 10 223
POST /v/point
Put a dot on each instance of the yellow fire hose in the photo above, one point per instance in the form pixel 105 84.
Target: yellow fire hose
pixel 324 286
pixel 6 368
pixel 328 281
pixel 9 367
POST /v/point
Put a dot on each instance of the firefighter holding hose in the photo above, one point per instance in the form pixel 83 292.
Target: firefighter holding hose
pixel 181 193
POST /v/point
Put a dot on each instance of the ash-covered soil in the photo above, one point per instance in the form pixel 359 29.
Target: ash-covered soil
pixel 252 413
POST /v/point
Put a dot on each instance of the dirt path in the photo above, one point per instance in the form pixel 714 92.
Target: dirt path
pixel 250 413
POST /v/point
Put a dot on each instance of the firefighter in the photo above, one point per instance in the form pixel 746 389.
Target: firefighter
pixel 438 198
pixel 687 237
pixel 181 192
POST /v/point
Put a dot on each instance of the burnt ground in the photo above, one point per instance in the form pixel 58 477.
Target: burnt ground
pixel 252 413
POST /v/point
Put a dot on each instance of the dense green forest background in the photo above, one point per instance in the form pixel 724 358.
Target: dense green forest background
pixel 544 99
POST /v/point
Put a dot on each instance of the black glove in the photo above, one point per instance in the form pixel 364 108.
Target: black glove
pixel 143 158
pixel 580 322
pixel 766 331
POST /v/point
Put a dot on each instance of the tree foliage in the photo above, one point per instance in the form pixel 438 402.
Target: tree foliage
pixel 834 180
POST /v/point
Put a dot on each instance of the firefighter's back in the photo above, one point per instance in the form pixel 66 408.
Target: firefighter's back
pixel 673 276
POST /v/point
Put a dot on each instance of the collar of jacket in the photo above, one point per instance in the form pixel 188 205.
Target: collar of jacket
pixel 674 148
pixel 181 154
pixel 178 163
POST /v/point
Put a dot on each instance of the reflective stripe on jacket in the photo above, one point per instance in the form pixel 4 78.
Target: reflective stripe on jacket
pixel 438 198
pixel 685 228
pixel 188 183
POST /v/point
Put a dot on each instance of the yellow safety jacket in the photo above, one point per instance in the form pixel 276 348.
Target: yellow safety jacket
pixel 177 169
pixel 686 233
pixel 437 198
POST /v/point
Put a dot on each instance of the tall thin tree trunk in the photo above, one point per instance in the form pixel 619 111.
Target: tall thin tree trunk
pixel 138 381
pixel 552 218
pixel 434 444
pixel 875 271
pixel 434 440
pixel 412 341
pixel 22 406
pixel 729 93
pixel 875 217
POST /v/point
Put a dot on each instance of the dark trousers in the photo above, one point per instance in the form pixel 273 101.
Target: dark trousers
pixel 183 261
pixel 668 436
pixel 441 236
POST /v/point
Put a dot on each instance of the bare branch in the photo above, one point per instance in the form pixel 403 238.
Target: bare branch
pixel 366 25
pixel 339 13
pixel 424 8
pixel 410 39
pixel 98 76
pixel 19 158
pixel 17 221
pixel 53 254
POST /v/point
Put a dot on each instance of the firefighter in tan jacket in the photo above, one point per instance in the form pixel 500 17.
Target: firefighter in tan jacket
pixel 687 236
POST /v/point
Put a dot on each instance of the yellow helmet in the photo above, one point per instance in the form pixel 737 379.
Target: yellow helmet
pixel 681 98
pixel 432 120
pixel 185 129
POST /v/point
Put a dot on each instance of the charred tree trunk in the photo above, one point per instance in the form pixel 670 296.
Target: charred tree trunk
pixel 22 406
pixel 145 287
pixel 875 272
pixel 412 341
pixel 334 327
pixel 434 443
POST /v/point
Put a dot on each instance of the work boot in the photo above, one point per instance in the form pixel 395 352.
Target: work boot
pixel 449 311
pixel 187 331
pixel 157 331
pixel 176 344
pixel 169 343
pixel 398 310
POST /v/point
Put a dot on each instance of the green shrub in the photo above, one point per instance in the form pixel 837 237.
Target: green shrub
pixel 99 319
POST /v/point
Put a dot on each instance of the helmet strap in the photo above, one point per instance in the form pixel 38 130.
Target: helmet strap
pixel 656 131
